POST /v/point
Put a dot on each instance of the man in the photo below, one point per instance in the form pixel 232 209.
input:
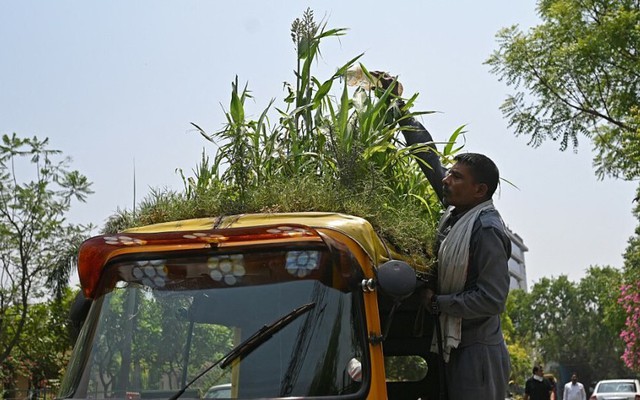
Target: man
pixel 574 390
pixel 469 287
pixel 472 281
pixel 537 387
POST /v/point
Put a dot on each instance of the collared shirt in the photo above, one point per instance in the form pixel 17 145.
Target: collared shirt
pixel 574 391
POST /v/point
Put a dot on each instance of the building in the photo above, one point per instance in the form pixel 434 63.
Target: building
pixel 517 267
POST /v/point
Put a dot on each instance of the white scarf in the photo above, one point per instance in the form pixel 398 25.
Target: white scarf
pixel 453 261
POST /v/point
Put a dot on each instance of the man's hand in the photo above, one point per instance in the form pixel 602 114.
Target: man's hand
pixel 385 81
pixel 427 301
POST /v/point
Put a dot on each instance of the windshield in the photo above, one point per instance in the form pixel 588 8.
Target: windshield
pixel 160 322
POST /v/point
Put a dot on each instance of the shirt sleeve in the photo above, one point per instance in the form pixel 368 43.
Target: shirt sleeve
pixel 428 159
pixel 488 296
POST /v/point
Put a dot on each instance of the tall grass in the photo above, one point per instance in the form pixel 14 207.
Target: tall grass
pixel 328 148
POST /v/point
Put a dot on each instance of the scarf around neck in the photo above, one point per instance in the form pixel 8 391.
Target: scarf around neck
pixel 453 261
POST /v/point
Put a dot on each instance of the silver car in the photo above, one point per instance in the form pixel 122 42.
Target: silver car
pixel 617 389
pixel 219 392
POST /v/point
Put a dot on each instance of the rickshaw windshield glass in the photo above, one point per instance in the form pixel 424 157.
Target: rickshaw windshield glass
pixel 160 322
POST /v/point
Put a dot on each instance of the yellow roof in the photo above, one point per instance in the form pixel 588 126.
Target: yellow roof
pixel 358 229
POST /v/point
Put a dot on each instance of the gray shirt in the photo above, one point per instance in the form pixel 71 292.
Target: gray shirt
pixel 486 288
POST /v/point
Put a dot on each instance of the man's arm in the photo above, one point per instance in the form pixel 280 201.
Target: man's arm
pixel 428 159
pixel 415 133
pixel 527 389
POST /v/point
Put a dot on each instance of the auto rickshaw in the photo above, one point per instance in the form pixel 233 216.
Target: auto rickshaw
pixel 290 305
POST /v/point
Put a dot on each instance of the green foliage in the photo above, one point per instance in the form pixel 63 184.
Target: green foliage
pixel 521 359
pixel 326 152
pixel 147 363
pixel 574 324
pixel 405 368
pixel 632 252
pixel 577 74
pixel 43 351
pixel 36 250
pixel 602 319
pixel 631 294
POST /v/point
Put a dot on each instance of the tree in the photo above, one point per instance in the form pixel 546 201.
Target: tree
pixel 36 190
pixel 552 305
pixel 574 324
pixel 577 74
pixel 521 360
pixel 630 299
pixel 43 351
pixel 602 319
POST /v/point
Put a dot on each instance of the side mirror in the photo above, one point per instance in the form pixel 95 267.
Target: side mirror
pixel 396 279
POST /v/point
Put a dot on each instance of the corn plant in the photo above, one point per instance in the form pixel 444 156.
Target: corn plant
pixel 331 149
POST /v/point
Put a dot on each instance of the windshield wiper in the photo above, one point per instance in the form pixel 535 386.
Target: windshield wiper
pixel 263 334
pixel 251 343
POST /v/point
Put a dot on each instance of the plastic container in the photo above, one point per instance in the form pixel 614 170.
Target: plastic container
pixel 356 77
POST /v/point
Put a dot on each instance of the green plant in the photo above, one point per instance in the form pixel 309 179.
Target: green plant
pixel 327 152
pixel 37 188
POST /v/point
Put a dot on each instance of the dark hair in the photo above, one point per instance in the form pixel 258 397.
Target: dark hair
pixel 482 169
pixel 536 368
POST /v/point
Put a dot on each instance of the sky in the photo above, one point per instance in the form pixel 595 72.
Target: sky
pixel 116 84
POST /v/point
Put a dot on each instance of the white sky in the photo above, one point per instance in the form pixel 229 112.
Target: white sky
pixel 110 82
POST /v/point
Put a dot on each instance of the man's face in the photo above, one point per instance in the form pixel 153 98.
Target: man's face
pixel 461 190
pixel 540 372
pixel 574 378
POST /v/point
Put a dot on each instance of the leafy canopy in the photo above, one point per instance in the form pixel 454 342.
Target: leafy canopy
pixel 37 245
pixel 577 75
pixel 576 325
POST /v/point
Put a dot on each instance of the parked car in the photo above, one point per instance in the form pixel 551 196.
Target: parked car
pixel 219 392
pixel 617 389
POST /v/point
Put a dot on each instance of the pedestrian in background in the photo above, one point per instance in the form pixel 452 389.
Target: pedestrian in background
pixel 537 387
pixel 574 390
pixel 554 385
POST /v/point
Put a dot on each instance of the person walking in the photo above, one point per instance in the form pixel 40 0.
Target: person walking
pixel 468 288
pixel 538 387
pixel 574 390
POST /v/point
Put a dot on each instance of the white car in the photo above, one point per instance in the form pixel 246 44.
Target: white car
pixel 617 389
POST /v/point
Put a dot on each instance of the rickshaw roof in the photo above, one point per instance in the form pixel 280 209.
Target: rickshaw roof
pixel 232 230
pixel 356 228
